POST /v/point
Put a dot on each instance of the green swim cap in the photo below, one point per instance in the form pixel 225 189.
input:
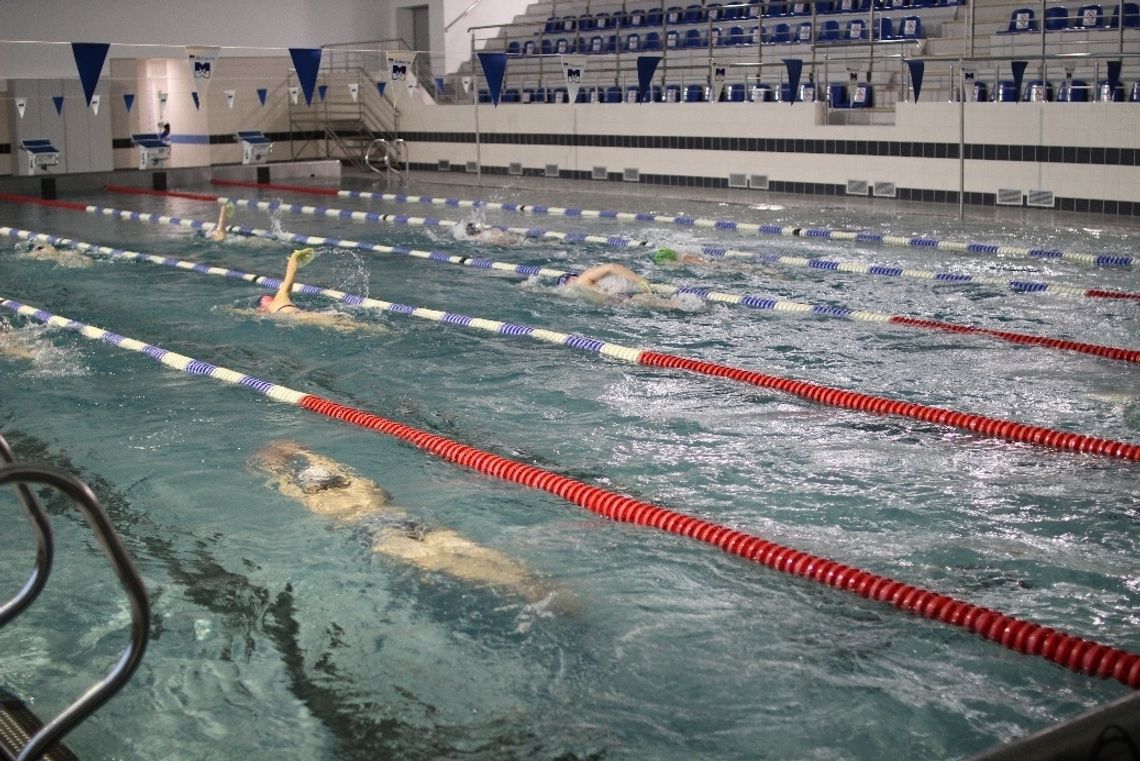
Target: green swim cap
pixel 664 255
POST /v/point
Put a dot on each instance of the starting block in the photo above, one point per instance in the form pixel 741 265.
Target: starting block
pixel 153 151
pixel 255 146
pixel 41 154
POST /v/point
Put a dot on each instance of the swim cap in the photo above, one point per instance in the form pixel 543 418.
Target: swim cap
pixel 664 255
pixel 315 478
pixel 565 278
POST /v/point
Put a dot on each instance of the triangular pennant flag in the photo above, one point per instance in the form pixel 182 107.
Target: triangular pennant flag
pixel 494 69
pixel 129 100
pixel 95 104
pixel 321 90
pixel 717 74
pixel 646 66
pixel 202 61
pixel 354 91
pixel 89 59
pixel 261 93
pixel 466 82
pixel 230 95
pixel 380 88
pixel 1018 68
pixel 21 104
pixel 194 97
pixel 916 70
pixel 411 88
pixel 58 101
pixel 307 61
pixel 293 95
pixel 573 70
pixel 795 68
pixel 1113 68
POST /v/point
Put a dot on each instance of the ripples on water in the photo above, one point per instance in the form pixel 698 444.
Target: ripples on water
pixel 279 634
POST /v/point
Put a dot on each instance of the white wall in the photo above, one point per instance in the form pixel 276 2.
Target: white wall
pixel 241 27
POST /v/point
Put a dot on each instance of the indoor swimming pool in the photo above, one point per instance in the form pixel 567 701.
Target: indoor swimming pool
pixel 278 631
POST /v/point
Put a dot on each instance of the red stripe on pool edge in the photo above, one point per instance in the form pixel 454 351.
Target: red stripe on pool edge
pixel 1066 650
pixel 1006 429
pixel 1111 352
pixel 42 202
pixel 271 186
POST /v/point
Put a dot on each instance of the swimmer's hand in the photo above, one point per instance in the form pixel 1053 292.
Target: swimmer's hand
pixel 304 256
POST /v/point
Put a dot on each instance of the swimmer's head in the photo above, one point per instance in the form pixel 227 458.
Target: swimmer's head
pixel 565 278
pixel 664 255
pixel 471 229
pixel 264 302
pixel 314 479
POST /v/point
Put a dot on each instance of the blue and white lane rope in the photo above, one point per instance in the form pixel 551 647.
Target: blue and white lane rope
pixel 1096 260
pixel 1079 654
pixel 1015 286
pixel 815 263
pixel 615 350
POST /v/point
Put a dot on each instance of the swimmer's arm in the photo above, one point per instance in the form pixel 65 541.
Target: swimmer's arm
pixel 282 297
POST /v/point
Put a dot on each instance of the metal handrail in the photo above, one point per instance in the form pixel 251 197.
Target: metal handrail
pixel 129 577
pixel 44 546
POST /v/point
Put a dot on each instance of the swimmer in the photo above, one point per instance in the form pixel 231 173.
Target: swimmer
pixel 327 488
pixel 494 236
pixel 48 252
pixel 280 305
pixel 219 232
pixel 15 344
pixel 665 257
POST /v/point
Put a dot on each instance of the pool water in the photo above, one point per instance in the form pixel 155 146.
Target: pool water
pixel 277 633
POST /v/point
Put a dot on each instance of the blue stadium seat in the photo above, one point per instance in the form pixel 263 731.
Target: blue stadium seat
pixel 613 94
pixel 553 25
pixel 674 15
pixel 1131 16
pixel 1073 91
pixel 856 30
pixel 653 17
pixel 694 39
pixel 672 94
pixel 804 33
pixel 653 41
pixel 547 46
pixel 695 14
pixel 695 94
pixel 884 29
pixel 560 95
pixel 586 23
pixel 1056 18
pixel 910 28
pixel 1135 96
pixel 563 45
pixel 776 8
pixel 597 44
pixel 585 95
pixel 798 9
pixel 529 48
pixel 673 40
pixel 976 92
pixel 613 43
pixel 851 6
pixel 1005 92
pixel 484 96
pixel 514 48
pixel 714 12
pixel 604 20
pixel 736 36
pixel 837 95
pixel 829 31
pixel 632 94
pixel 754 11
pixel 1037 91
pixel 512 95
pixel 632 42
pixel 1089 17
pixel 735 93
pixel 781 33
pixel 526 95
pixel 1022 20
pixel 634 18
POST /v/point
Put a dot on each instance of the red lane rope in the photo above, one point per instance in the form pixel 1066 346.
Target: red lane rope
pixel 1098 294
pixel 42 201
pixel 1081 655
pixel 271 186
pixel 1111 352
pixel 149 192
pixel 854 400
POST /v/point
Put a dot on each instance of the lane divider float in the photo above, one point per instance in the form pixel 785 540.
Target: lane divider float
pixel 1078 654
pixel 925 243
pixel 825 395
pixel 762 303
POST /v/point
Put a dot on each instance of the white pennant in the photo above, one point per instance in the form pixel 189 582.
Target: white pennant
pixel 411 88
pixel 574 70
pixel 95 104
pixel 354 91
pixel 400 69
pixel 293 95
pixel 717 73
pixel 161 103
pixel 230 95
pixel 466 82
pixel 21 104
pixel 202 61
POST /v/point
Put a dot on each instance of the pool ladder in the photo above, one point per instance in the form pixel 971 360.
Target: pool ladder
pixel 392 156
pixel 23 735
